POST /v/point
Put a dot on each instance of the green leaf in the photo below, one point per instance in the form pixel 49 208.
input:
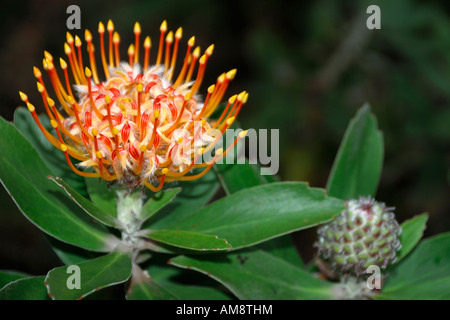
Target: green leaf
pixel 69 254
pixel 357 168
pixel 148 290
pixel 52 157
pixel 143 287
pixel 189 240
pixel 85 204
pixel 7 276
pixel 159 283
pixel 102 195
pixel 283 248
pixel 157 202
pixel 177 283
pixel 257 275
pixel 239 174
pixel 24 175
pixel 105 271
pixel 423 274
pixel 260 213
pixel 193 196
pixel 235 177
pixel 412 231
pixel 31 288
pixel 193 292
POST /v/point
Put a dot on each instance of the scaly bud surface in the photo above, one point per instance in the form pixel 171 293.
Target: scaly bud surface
pixel 364 234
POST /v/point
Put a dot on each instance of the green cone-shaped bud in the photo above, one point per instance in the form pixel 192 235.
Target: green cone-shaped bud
pixel 365 233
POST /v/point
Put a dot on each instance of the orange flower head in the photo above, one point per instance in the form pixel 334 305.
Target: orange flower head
pixel 144 124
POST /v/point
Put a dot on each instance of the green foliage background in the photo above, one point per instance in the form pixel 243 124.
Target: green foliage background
pixel 308 66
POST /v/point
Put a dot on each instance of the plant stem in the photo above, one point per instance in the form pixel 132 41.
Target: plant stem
pixel 129 207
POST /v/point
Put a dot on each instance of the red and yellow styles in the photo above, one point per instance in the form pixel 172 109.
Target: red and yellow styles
pixel 136 126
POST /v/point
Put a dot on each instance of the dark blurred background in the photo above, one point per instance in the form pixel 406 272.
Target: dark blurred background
pixel 308 66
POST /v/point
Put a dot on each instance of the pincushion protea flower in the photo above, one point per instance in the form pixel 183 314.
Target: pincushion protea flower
pixel 142 125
